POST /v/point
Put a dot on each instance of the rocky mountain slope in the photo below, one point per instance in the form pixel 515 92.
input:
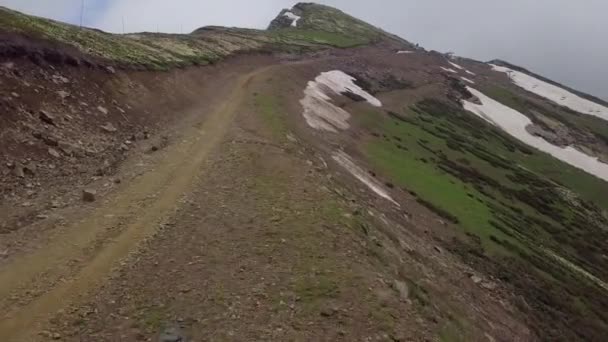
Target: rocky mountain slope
pixel 319 180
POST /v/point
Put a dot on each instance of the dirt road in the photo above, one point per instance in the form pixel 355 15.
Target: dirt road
pixel 241 229
pixel 77 260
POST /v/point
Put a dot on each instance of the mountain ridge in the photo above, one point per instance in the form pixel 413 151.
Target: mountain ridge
pixel 319 180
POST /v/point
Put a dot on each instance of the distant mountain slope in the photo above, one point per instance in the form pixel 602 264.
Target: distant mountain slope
pixel 528 72
pixel 319 18
pixel 321 27
pixel 353 186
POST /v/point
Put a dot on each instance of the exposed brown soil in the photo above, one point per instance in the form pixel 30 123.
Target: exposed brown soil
pixel 233 227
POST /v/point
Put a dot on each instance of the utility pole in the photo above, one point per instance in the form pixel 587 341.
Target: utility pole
pixel 81 12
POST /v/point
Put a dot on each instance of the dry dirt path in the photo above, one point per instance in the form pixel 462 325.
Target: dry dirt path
pixel 37 285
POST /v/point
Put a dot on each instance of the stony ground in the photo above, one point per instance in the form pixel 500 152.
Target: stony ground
pixel 196 203
pixel 240 229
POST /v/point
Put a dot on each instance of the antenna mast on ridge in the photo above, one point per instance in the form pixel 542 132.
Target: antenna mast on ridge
pixel 81 12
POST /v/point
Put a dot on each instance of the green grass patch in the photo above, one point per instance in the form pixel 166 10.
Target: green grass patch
pixel 492 186
pixel 154 318
pixel 321 37
pixel 269 109
pixel 589 187
pixel 455 331
pixel 515 201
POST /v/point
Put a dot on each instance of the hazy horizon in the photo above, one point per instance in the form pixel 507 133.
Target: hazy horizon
pixel 558 39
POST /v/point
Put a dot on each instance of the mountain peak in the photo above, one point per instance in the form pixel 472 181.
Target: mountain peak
pixel 321 18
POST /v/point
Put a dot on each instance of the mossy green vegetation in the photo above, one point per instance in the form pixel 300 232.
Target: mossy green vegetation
pixel 269 109
pixel 579 124
pixel 322 27
pixel 531 216
pixel 320 18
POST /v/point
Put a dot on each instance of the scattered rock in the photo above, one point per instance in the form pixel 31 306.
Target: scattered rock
pixel 50 140
pixel 102 110
pixel 53 152
pixel 402 288
pixel 291 138
pixel 109 128
pixel 329 311
pixel 111 70
pixel 172 335
pixel 488 285
pixel 376 241
pixel 438 249
pixel 30 169
pixel 124 147
pixel 55 204
pixel 47 117
pixel 476 279
pixel 15 95
pixel 63 94
pixel 18 171
pixel 398 337
pixel 89 195
pixel 67 148
pixel 41 217
pixel 58 79
pixel 89 152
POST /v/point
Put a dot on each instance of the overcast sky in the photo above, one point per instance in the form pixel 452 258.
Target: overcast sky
pixel 565 40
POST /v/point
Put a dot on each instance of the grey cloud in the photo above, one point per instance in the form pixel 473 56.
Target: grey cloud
pixel 64 10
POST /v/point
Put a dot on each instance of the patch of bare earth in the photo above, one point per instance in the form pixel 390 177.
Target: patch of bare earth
pixel 274 242
pixel 237 226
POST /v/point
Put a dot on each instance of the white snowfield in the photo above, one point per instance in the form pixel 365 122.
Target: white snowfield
pixel 467 80
pixel 554 93
pixel 293 17
pixel 449 70
pixel 456 66
pixel 461 68
pixel 515 123
pixel 319 111
pixel 346 162
pixel 402 52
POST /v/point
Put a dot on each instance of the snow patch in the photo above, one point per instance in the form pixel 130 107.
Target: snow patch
pixel 402 52
pixel 293 17
pixel 467 80
pixel 456 66
pixel 346 162
pixel 515 123
pixel 470 73
pixel 320 113
pixel 554 93
pixel 449 70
